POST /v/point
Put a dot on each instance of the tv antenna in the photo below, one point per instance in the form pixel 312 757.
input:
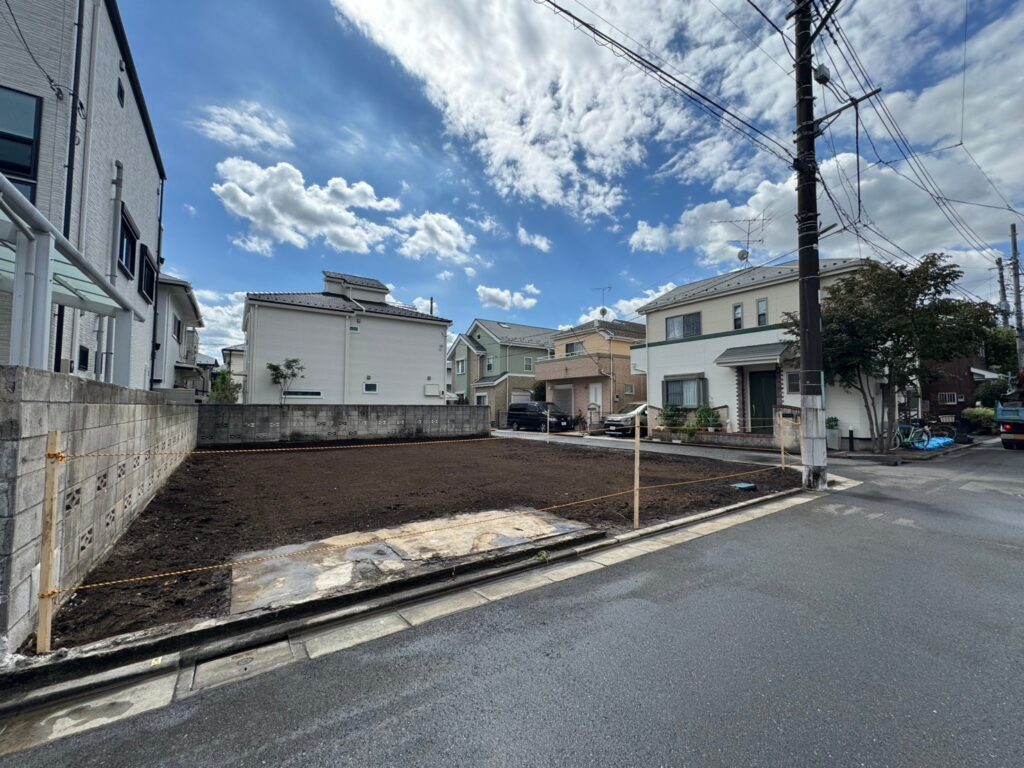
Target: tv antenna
pixel 753 234
pixel 604 290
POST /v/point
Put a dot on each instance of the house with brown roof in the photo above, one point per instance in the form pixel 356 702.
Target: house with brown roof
pixel 357 346
pixel 590 370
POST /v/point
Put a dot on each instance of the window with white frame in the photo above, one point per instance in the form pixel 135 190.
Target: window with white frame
pixel 630 389
pixel 176 328
pixel 947 398
pixel 128 243
pixel 737 316
pixel 490 363
pixel 527 364
pixel 762 312
pixel 574 349
pixel 481 399
pixel 686 392
pixel 460 367
pixel 683 326
pixel 793 383
pixel 370 387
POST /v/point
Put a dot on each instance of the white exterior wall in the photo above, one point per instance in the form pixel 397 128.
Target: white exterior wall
pixel 400 356
pixel 115 133
pixel 171 303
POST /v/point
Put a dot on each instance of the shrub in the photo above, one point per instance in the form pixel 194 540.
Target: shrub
pixel 989 392
pixel 672 416
pixel 979 420
pixel 707 416
pixel 832 422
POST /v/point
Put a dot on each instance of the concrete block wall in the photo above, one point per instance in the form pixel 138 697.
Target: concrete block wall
pixel 234 424
pixel 99 496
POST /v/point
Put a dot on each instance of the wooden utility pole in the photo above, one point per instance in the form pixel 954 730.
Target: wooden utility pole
pixel 1004 307
pixel 48 544
pixel 1018 313
pixel 636 471
pixel 812 421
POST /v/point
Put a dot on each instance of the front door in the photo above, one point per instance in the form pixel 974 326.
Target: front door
pixel 596 398
pixel 762 388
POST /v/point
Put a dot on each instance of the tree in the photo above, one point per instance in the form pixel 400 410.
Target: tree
pixel 989 392
pixel 283 374
pixel 1001 350
pixel 224 390
pixel 540 391
pixel 887 324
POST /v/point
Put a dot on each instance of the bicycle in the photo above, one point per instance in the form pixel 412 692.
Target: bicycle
pixel 911 436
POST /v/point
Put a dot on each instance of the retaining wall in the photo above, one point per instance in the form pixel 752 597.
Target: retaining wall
pixel 98 496
pixel 235 424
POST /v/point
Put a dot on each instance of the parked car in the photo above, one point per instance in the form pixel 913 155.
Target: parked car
pixel 546 417
pixel 623 420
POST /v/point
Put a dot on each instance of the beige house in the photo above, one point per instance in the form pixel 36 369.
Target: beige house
pixel 590 372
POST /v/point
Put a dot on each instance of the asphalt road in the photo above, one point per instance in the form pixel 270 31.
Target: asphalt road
pixel 882 626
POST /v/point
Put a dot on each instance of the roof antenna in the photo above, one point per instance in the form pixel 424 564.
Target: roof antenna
pixel 604 309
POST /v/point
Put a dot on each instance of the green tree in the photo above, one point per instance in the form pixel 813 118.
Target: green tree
pixel 989 392
pixel 1001 350
pixel 885 325
pixel 540 391
pixel 283 374
pixel 224 390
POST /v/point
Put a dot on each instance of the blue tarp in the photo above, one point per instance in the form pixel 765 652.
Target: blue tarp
pixel 936 443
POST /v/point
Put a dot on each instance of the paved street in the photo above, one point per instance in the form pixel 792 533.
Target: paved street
pixel 883 625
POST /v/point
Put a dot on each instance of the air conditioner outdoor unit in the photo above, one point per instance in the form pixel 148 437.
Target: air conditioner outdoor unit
pixel 432 390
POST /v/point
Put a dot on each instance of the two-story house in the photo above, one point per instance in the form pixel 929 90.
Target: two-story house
pixel 494 363
pixel 723 342
pixel 178 368
pixel 590 372
pixel 234 366
pixel 356 346
pixel 78 147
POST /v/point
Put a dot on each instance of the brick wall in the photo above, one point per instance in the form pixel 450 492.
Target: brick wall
pixel 234 424
pixel 98 496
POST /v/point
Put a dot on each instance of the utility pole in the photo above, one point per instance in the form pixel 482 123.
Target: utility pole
pixel 812 412
pixel 1004 307
pixel 1015 273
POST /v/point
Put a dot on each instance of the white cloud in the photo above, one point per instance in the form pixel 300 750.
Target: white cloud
pixel 531 289
pixel 537 241
pixel 445 275
pixel 282 209
pixel 250 125
pixel 424 305
pixel 487 224
pixel 222 320
pixel 648 238
pixel 437 234
pixel 189 209
pixel 502 298
pixel 625 309
pixel 264 246
pixel 594 313
pixel 470 272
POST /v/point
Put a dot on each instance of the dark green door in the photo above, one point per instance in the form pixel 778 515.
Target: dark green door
pixel 762 401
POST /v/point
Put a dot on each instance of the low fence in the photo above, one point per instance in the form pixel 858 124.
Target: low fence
pixel 134 435
pixel 241 424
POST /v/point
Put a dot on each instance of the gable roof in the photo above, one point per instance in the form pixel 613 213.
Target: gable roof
pixel 474 345
pixel 516 333
pixel 186 286
pixel 360 282
pixel 332 302
pixel 742 279
pixel 619 328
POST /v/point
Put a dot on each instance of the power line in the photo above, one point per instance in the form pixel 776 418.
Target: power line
pixel 705 103
pixel 750 37
pixel 773 25
pixel 17 28
pixel 963 87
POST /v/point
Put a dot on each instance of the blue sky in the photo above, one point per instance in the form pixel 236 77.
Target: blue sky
pixel 494 158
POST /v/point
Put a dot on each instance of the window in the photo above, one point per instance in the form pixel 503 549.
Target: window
pixel 353 329
pixel 737 316
pixel 762 312
pixel 298 393
pixel 490 363
pixel 793 383
pixel 83 358
pixel 947 398
pixel 370 387
pixel 686 392
pixel 129 241
pixel 19 139
pixel 460 367
pixel 481 399
pixel 147 274
pixel 630 389
pixel 527 364
pixel 683 326
pixel 120 92
pixel 574 348
pixel 176 328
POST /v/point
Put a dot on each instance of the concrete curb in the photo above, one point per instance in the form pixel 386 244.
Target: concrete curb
pixel 896 460
pixel 128 658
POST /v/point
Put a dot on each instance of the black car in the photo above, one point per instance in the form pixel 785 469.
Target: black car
pixel 546 417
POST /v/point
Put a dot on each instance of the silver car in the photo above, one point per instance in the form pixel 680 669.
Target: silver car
pixel 623 420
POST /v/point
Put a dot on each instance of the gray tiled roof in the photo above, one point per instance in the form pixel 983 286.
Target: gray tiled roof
pixel 739 279
pixel 202 359
pixel 363 282
pixel 754 353
pixel 616 327
pixel 236 348
pixel 513 333
pixel 334 303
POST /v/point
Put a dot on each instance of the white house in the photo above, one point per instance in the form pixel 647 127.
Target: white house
pixel 178 368
pixel 356 346
pixel 234 366
pixel 723 342
pixel 82 186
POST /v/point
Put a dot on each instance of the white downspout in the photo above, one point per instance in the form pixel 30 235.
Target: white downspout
pixel 83 198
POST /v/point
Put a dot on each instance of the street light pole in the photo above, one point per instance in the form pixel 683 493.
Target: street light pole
pixel 812 419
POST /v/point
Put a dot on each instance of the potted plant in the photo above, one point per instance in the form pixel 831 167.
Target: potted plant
pixel 833 437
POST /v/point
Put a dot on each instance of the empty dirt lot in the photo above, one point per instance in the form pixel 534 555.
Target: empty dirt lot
pixel 216 506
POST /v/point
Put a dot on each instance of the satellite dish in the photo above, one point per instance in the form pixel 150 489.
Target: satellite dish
pixel 743 255
pixel 604 312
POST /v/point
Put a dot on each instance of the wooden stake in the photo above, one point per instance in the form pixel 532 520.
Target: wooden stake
pixel 636 471
pixel 782 438
pixel 47 580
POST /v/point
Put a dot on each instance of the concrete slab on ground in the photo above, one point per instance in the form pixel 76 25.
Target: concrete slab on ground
pixel 295 573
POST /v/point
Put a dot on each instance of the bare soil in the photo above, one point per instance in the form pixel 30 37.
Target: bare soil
pixel 217 506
